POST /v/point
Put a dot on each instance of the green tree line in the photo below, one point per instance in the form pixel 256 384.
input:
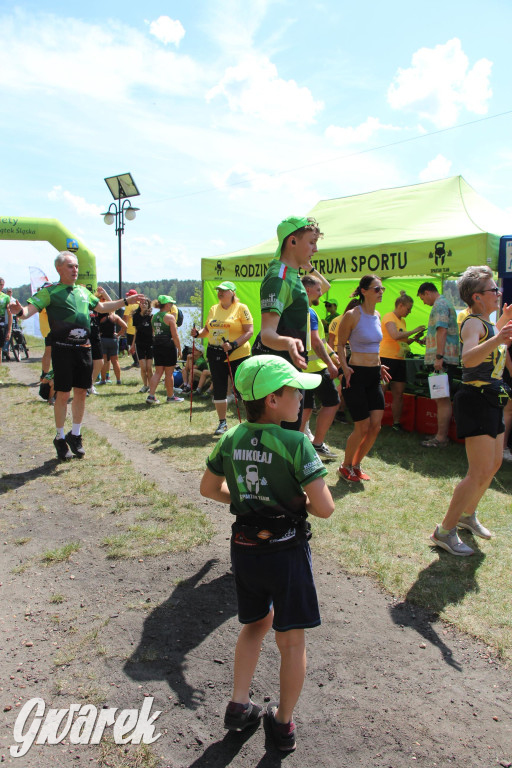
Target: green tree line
pixel 182 291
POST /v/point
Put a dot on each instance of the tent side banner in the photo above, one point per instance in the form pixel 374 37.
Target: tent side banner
pixel 437 259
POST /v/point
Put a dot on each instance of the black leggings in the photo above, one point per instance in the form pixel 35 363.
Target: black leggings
pixel 220 373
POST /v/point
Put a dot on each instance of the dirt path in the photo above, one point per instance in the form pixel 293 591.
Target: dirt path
pixel 386 687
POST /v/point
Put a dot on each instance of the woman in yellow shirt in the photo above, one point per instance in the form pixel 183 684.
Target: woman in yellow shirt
pixel 395 343
pixel 229 327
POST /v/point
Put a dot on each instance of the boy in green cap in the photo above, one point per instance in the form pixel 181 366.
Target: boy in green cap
pixel 272 479
pixel 284 303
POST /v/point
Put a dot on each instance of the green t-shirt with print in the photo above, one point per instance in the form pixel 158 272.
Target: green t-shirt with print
pixel 161 331
pixel 282 292
pixel 5 300
pixel 67 307
pixel 265 467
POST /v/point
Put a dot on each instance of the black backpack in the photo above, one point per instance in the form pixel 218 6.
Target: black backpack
pixel 179 319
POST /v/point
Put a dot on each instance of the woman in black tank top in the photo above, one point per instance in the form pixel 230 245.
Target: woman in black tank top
pixel 478 405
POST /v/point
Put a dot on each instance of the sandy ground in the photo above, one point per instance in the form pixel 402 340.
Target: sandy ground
pixel 387 685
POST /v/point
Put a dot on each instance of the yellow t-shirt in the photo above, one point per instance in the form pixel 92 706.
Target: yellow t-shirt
pixel 334 328
pixel 128 318
pixel 229 323
pixel 462 316
pixel 390 347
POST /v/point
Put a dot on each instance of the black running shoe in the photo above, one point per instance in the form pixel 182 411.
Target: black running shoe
pixel 238 717
pixel 282 733
pixel 75 443
pixel 62 449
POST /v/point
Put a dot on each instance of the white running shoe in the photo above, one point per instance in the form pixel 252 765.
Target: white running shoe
pixel 473 524
pixel 451 542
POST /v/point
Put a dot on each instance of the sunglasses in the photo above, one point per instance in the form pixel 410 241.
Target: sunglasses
pixel 494 290
pixel 378 288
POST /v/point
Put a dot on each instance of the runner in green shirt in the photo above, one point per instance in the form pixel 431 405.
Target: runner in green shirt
pixel 283 299
pixel 285 329
pixel 272 479
pixel 67 306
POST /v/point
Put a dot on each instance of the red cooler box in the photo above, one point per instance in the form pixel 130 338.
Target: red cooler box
pixel 426 419
pixel 408 412
pixel 426 415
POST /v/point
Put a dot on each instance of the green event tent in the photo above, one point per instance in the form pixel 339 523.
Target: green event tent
pixel 405 235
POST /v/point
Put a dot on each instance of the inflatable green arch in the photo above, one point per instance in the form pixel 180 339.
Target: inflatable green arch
pixel 52 231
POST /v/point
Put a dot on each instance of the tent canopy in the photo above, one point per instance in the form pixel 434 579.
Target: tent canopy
pixel 433 229
pixel 405 235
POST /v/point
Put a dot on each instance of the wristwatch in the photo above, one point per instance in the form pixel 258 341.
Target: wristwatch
pixel 439 357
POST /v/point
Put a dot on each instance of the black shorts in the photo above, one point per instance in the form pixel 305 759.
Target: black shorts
pixel 474 415
pixel 364 393
pixel 220 372
pixel 326 392
pixel 96 350
pixel 397 368
pixel 72 367
pixel 284 579
pixel 48 340
pixel 165 355
pixel 144 350
pixel 3 329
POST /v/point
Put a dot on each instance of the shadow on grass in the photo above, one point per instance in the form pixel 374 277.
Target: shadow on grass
pixel 404 450
pixel 446 581
pixel 18 479
pixel 342 488
pixel 178 626
pixel 198 440
pixel 13 385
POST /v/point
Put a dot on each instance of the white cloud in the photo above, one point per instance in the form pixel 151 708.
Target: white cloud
pixel 76 203
pixel 74 58
pixel 167 30
pixel 438 168
pixel 362 133
pixel 439 83
pixel 253 87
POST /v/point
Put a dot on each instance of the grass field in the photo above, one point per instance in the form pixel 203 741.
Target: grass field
pixel 379 528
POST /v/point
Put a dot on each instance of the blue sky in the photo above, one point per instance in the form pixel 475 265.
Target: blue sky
pixel 231 116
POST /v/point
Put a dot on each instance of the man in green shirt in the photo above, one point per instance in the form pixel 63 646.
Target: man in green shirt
pixel 68 306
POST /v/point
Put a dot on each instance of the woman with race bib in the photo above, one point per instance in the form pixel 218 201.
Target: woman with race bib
pixel 166 349
pixel 229 327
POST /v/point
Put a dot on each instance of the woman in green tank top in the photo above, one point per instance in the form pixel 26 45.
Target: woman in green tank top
pixel 166 349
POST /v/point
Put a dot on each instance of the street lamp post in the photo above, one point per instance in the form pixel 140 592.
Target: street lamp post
pixel 122 187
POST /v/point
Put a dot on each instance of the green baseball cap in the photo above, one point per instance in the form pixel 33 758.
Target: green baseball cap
pixel 163 299
pixel 258 376
pixel 227 285
pixel 287 227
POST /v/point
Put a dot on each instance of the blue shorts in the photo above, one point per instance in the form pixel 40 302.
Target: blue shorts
pixel 109 347
pixel 283 578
